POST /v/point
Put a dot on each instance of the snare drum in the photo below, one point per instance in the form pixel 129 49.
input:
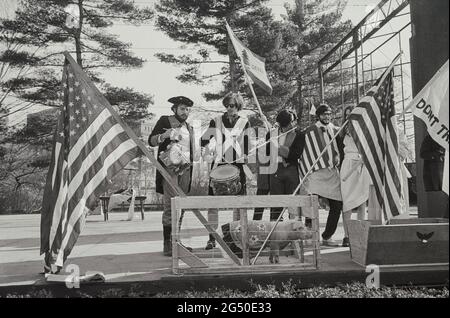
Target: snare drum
pixel 225 180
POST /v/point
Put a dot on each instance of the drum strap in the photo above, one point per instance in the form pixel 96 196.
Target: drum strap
pixel 219 141
pixel 230 138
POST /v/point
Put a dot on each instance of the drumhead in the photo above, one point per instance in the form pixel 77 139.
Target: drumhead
pixel 224 172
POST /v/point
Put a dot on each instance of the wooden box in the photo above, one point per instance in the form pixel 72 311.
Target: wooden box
pixel 403 241
pixel 187 262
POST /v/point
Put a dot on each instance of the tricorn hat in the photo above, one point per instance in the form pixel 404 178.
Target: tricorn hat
pixel 178 100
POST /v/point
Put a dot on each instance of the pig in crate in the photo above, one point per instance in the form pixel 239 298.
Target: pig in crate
pixel 284 233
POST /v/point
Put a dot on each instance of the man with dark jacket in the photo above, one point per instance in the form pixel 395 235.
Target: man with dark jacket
pixel 286 178
pixel 433 156
pixel 168 131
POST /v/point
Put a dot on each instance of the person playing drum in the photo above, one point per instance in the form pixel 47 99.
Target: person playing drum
pixel 174 138
pixel 232 144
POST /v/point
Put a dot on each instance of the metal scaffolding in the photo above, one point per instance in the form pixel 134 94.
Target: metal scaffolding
pixel 351 67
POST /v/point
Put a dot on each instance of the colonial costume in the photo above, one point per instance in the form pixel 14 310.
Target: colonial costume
pixel 181 137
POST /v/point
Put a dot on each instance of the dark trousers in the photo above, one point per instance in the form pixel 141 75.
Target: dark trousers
pixel 332 220
pixel 284 181
pixel 258 213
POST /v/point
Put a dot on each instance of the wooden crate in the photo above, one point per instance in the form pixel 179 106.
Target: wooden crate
pixel 185 262
pixel 403 241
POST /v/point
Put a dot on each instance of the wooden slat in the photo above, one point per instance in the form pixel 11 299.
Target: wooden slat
pixel 279 268
pixel 417 221
pixel 358 234
pixel 175 235
pixel 410 225
pixel 244 242
pixel 302 251
pixel 373 208
pixel 250 201
pixel 190 259
pixel 406 266
pixel 316 229
pixel 297 247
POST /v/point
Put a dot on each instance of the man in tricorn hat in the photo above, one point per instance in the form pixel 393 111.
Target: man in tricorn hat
pixel 169 130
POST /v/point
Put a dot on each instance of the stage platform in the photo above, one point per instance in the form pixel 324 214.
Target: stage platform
pixel 129 254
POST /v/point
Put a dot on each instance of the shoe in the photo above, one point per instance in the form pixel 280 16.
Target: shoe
pixel 210 245
pixel 329 242
pixel 345 242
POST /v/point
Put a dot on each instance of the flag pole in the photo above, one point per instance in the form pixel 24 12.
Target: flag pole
pixel 298 188
pixel 389 68
pixel 386 74
pixel 250 84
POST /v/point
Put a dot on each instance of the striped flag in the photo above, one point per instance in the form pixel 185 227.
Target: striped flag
pixel 91 144
pixel 316 138
pixel 373 127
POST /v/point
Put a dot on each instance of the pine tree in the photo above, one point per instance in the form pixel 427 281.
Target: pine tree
pixel 317 26
pixel 202 23
pixel 43 29
pixel 31 63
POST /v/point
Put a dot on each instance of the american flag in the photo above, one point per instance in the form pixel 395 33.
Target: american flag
pixel 316 138
pixel 91 144
pixel 373 127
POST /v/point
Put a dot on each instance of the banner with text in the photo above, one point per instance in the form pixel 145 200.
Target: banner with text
pixel 254 64
pixel 431 105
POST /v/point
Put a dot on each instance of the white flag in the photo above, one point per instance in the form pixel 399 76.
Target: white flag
pixel 445 181
pixel 431 105
pixel 254 64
